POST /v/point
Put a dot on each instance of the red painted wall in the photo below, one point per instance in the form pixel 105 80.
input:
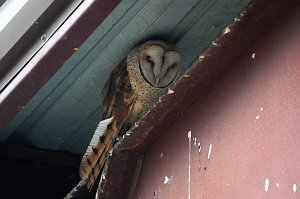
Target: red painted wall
pixel 251 119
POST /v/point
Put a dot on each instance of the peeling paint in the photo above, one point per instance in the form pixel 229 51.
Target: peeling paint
pixel 127 133
pixel 170 91
pixel 168 180
pixel 156 193
pixel 267 184
pixel 237 19
pixel 199 150
pixel 294 188
pixel 201 56
pixel 226 30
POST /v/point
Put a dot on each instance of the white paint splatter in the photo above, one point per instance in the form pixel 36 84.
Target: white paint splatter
pixel 161 155
pixel 44 38
pixel 189 172
pixel 294 188
pixel 168 180
pixel 189 135
pixel 170 91
pixel 199 147
pixel 261 109
pixel 214 43
pixel 253 55
pixel 267 184
pixel 277 185
pixel 226 30
pixel 97 194
pixel 195 141
pixel 236 19
pixel 209 151
pixel 257 117
pixel 201 56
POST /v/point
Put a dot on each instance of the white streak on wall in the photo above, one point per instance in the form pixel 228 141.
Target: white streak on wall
pixel 209 151
pixel 189 173
pixel 294 188
pixel 267 184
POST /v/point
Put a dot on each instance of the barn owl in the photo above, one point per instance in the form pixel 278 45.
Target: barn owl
pixel 133 87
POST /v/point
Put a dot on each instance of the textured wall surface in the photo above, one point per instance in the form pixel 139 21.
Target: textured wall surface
pixel 245 137
pixel 64 114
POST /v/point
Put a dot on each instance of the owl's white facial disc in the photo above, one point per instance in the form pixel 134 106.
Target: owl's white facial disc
pixel 158 66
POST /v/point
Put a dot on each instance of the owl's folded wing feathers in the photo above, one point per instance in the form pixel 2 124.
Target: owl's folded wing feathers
pixel 117 106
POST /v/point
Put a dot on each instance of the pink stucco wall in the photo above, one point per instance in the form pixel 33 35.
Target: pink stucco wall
pixel 251 118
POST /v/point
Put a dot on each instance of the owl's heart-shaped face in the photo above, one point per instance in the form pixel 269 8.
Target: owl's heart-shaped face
pixel 159 66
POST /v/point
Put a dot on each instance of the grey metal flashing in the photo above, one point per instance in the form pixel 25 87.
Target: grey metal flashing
pixel 27 33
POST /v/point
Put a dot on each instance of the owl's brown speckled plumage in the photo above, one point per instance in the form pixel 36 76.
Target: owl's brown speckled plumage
pixel 133 88
pixel 146 94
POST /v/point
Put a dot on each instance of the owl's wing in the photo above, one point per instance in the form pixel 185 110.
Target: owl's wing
pixel 118 102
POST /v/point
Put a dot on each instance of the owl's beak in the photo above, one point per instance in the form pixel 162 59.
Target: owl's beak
pixel 157 79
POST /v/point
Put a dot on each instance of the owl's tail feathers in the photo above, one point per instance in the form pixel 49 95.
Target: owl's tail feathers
pixel 87 164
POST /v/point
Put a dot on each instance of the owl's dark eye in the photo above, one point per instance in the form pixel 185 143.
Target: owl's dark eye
pixel 171 67
pixel 151 60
